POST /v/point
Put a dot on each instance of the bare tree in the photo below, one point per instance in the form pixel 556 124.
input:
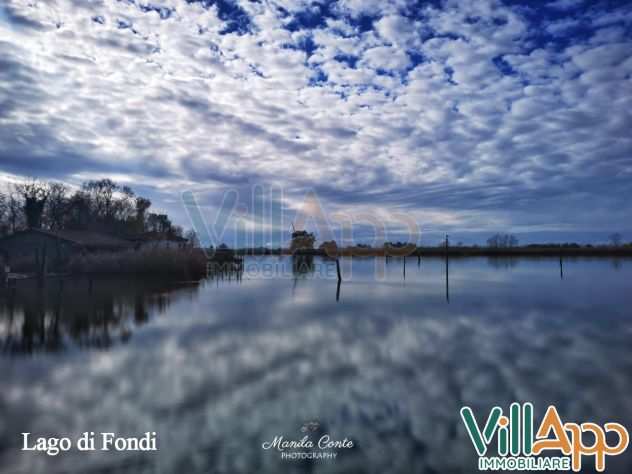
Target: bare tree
pixel 79 213
pixel 176 230
pixel 159 223
pixel 502 241
pixel 124 205
pixel 35 194
pixel 615 239
pixel 14 211
pixel 56 206
pixel 141 204
pixel 101 195
pixel 100 205
pixel 4 228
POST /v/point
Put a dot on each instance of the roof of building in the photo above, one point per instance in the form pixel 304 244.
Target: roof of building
pixel 93 239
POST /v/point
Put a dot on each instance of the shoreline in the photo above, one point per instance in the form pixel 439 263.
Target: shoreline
pixel 451 252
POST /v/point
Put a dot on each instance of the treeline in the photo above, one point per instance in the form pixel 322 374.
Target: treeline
pixel 98 205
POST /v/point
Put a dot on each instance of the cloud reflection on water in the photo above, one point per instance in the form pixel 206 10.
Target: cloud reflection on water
pixel 230 366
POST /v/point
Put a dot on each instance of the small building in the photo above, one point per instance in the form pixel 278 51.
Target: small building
pixel 35 245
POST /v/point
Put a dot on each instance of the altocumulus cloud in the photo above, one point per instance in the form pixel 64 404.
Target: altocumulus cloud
pixel 469 115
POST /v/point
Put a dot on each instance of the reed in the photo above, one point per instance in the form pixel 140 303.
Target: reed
pixel 182 264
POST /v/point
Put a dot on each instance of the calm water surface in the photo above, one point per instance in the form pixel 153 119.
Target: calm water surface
pixel 218 368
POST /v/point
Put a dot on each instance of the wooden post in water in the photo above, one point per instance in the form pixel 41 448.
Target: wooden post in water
pixel 561 268
pixel 419 260
pixel 5 270
pixel 447 269
pixel 404 267
pixel 44 262
pixel 41 268
pixel 339 279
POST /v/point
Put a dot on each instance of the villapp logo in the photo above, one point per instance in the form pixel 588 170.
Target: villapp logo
pixel 518 447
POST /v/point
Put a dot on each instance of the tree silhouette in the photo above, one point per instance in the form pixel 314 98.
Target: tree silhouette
pixel 615 239
pixel 502 241
pixel 34 194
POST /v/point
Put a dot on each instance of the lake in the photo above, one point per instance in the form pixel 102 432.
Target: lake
pixel 219 367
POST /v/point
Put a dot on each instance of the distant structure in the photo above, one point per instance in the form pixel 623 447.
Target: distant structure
pixel 302 240
pixel 223 260
pixel 329 247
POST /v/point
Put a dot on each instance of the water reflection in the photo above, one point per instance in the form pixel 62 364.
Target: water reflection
pixel 503 263
pixel 302 265
pixel 225 271
pixel 224 367
pixel 84 313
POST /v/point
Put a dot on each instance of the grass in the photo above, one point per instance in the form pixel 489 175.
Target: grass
pixel 181 264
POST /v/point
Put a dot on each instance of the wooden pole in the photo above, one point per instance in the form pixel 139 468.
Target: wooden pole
pixel 44 268
pixel 447 270
pixel 338 271
pixel 404 268
pixel 41 268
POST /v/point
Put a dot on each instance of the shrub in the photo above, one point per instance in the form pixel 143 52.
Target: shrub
pixel 183 264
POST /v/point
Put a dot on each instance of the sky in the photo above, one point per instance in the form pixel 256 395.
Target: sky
pixel 463 117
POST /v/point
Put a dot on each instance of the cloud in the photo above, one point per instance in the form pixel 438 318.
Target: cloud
pixel 481 106
pixel 386 58
pixel 565 4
